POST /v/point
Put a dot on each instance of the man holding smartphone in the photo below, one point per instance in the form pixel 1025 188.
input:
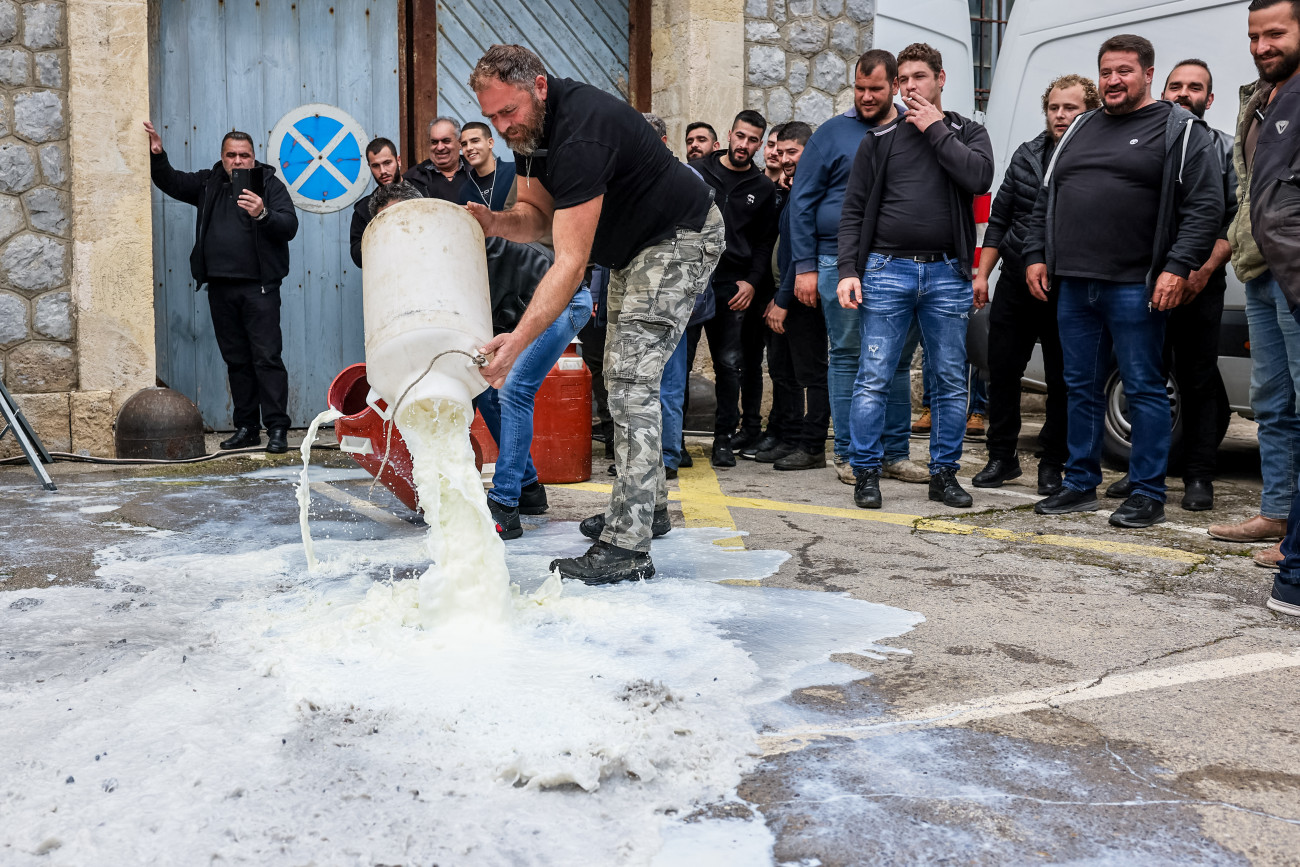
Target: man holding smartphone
pixel 241 253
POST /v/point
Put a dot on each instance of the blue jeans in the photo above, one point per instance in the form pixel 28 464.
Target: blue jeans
pixel 937 295
pixel 509 411
pixel 1094 316
pixel 1274 379
pixel 978 388
pixel 842 340
pixel 897 436
pixel 672 403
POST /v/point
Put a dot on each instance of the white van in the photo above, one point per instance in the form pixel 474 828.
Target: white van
pixel 943 24
pixel 1048 38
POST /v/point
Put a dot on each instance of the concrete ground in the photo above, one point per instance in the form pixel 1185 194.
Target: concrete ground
pixel 1076 693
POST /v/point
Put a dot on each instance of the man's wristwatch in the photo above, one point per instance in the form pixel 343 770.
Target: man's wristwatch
pixel 261 216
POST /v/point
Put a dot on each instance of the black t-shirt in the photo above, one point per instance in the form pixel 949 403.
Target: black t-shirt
pixel 229 248
pixel 594 144
pixel 915 209
pixel 1108 182
pixel 483 183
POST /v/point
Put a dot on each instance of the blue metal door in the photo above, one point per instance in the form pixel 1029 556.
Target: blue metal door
pixel 217 65
pixel 581 39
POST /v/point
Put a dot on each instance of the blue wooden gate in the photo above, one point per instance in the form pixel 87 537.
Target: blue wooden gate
pixel 217 65
pixel 582 39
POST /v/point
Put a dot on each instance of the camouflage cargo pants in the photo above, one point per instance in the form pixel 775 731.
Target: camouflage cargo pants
pixel 649 303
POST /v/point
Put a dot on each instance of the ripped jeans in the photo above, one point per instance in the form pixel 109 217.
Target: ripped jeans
pixel 894 290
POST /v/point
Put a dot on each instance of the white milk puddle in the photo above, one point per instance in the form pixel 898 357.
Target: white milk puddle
pixel 202 706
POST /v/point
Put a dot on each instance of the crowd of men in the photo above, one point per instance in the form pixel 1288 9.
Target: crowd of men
pixel 834 258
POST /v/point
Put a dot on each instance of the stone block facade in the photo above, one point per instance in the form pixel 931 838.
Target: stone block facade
pixel 37 329
pixel 800 55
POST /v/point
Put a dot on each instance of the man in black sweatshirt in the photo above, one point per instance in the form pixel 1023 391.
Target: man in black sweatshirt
pixel 1131 204
pixel 907 231
pixel 241 252
pixel 747 200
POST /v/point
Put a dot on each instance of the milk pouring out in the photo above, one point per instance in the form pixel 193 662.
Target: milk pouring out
pixel 427 313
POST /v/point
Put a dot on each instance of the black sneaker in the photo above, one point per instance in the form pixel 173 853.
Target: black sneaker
pixel 507 518
pixel 767 442
pixel 1068 500
pixel 1049 479
pixel 1138 510
pixel 685 460
pixel 532 499
pixel 277 440
pixel 1198 495
pixel 595 525
pixel 801 460
pixel 669 473
pixel 245 437
pixel 745 438
pixel 996 472
pixel 866 491
pixel 1120 490
pixel 775 453
pixel 1285 598
pixel 945 488
pixel 606 564
pixel 722 454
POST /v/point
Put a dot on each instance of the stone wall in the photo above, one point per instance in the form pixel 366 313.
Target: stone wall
pixel 800 54
pixel 696 50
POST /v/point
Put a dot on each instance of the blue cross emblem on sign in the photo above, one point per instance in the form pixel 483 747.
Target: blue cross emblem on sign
pixel 317 149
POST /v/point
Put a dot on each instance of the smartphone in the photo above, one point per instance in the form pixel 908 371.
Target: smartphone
pixel 247 179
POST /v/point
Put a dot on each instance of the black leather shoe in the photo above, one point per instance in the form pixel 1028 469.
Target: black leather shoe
pixel 612 470
pixel 1068 500
pixel 277 440
pixel 532 499
pixel 685 460
pixel 866 491
pixel 766 443
pixel 997 471
pixel 945 488
pixel 1120 490
pixel 245 437
pixel 775 453
pixel 745 438
pixel 1049 479
pixel 722 454
pixel 801 460
pixel 606 564
pixel 507 518
pixel 669 473
pixel 595 525
pixel 1138 510
pixel 1198 495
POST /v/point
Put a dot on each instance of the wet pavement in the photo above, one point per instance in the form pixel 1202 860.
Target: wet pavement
pixel 1075 694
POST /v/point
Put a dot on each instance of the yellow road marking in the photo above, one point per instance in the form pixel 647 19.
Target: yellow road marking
pixel 700 501
pixel 703 503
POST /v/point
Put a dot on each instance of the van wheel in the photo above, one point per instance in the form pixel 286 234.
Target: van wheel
pixel 1117 442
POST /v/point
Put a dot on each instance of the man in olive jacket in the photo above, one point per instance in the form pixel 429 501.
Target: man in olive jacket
pixel 241 253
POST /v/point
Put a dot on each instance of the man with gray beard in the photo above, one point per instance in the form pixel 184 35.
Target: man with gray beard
pixel 594 174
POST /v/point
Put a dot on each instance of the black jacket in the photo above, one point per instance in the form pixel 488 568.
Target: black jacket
pixel 514 270
pixel 1275 190
pixel 1190 216
pixel 1014 203
pixel 749 214
pixel 962 148
pixel 360 219
pixel 434 184
pixel 271 234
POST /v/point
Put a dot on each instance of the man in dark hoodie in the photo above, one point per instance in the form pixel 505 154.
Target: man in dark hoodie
pixel 1131 204
pixel 1271 148
pixel 385 168
pixel 747 200
pixel 241 253
pixel 1018 319
pixel 907 232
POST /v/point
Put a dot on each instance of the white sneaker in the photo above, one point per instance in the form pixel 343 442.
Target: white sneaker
pixel 845 472
pixel 906 471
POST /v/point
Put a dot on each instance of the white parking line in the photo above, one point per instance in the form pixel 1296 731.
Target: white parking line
pixel 945 715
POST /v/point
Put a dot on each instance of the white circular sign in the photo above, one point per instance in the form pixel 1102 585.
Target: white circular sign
pixel 319 152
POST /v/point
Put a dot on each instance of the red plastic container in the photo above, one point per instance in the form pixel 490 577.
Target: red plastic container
pixel 363 434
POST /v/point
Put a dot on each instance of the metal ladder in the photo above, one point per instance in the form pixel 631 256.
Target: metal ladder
pixel 28 441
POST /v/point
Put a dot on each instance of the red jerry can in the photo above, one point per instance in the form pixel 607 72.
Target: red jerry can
pixel 561 424
pixel 364 434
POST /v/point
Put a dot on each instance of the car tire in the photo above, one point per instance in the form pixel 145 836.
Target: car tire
pixel 1117 442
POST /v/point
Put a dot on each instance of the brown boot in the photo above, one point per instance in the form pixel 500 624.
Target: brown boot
pixel 922 425
pixel 1256 529
pixel 1269 557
